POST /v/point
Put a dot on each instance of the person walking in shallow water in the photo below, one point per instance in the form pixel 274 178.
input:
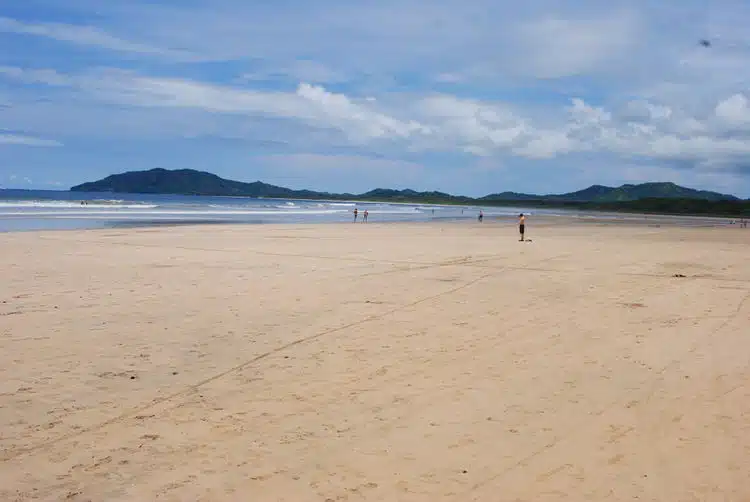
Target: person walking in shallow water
pixel 364 216
pixel 522 225
pixel 481 216
pixel 356 212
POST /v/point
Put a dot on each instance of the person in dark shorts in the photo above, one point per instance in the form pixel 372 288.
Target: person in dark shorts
pixel 356 212
pixel 365 215
pixel 481 216
pixel 522 225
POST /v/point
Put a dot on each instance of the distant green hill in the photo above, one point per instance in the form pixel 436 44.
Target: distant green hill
pixel 648 197
pixel 187 182
pixel 628 192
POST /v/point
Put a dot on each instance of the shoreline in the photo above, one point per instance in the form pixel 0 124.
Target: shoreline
pixel 473 204
pixel 607 218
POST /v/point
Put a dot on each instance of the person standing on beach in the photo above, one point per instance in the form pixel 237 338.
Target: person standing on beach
pixel 364 216
pixel 356 212
pixel 481 216
pixel 522 225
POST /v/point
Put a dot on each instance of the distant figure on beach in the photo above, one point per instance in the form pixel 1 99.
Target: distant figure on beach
pixel 481 216
pixel 356 212
pixel 522 225
pixel 364 216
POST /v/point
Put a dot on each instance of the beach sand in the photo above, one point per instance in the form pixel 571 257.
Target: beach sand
pixel 398 362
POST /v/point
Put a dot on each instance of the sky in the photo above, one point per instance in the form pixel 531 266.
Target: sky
pixel 471 98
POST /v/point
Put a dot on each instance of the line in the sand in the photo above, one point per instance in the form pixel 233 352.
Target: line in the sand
pixel 155 402
pixel 660 375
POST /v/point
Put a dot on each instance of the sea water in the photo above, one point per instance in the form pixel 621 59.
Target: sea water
pixel 55 210
pixel 22 210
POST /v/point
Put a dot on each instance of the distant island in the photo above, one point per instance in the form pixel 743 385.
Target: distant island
pixel 663 198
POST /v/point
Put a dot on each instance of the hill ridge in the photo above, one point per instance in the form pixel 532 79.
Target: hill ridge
pixel 194 182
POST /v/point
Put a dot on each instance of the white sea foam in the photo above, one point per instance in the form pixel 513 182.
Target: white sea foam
pixel 59 204
pixel 163 212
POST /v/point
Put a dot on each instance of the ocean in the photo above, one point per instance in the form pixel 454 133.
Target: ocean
pixel 24 210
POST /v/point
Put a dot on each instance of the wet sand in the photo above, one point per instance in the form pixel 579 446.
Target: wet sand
pixel 404 362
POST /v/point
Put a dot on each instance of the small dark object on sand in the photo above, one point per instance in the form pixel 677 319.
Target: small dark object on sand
pixel 633 305
pixel 678 275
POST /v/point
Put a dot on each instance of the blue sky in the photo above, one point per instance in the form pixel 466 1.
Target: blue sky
pixel 465 97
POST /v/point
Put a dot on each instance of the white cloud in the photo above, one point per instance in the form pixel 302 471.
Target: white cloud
pixel 311 104
pixel 442 122
pixel 476 127
pixel 84 36
pixel 21 140
pixel 554 47
pixel 734 110
pixel 341 112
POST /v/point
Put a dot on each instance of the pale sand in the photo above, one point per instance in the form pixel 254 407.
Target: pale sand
pixel 395 362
